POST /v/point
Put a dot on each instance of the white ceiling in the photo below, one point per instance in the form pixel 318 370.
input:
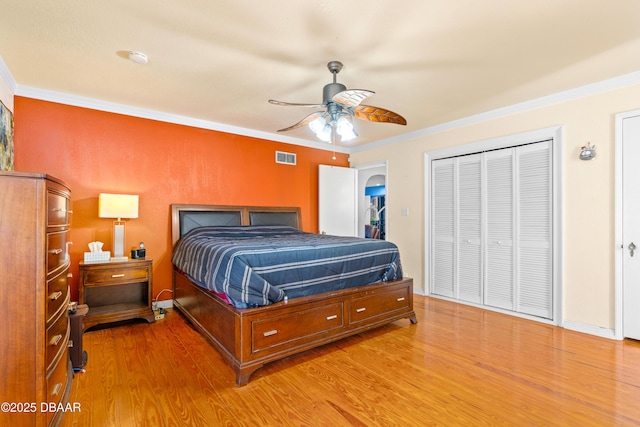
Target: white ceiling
pixel 432 61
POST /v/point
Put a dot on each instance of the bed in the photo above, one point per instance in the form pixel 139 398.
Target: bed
pixel 249 334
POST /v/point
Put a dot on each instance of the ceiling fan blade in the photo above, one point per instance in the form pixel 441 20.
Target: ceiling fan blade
pixel 378 115
pixel 292 104
pixel 352 97
pixel 303 122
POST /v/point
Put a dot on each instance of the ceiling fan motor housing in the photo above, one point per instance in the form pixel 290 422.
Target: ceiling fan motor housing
pixel 330 90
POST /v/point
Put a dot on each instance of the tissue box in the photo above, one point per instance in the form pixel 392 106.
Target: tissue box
pixel 97 256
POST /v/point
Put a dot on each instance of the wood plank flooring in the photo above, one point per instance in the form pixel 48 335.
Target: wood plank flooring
pixel 458 366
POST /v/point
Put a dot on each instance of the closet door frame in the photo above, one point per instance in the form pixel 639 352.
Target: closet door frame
pixel 555 135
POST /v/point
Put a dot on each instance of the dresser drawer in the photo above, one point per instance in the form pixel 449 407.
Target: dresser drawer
pixel 56 384
pixel 57 338
pixel 296 328
pixel 57 294
pixel 382 302
pixel 115 275
pixel 57 209
pixel 57 255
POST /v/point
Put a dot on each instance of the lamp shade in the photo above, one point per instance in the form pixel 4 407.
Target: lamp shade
pixel 117 206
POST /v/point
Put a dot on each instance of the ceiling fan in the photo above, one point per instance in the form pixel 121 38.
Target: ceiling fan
pixel 340 106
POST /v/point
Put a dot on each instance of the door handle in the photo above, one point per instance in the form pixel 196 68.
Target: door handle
pixel 632 248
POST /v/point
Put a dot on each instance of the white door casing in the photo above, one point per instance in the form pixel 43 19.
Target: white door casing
pixel 516 238
pixel 627 225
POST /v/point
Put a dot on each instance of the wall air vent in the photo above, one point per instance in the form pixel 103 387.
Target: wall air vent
pixel 285 158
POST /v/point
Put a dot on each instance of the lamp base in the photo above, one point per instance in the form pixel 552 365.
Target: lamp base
pixel 118 258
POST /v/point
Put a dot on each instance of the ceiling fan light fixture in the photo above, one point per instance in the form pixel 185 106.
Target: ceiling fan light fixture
pixel 317 124
pixel 325 133
pixel 344 127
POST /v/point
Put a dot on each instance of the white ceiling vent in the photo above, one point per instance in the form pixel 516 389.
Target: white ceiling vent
pixel 285 158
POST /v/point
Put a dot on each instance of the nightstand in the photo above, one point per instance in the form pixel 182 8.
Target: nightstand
pixel 116 291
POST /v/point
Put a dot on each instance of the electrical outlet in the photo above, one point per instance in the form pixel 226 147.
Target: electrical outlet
pixel 159 314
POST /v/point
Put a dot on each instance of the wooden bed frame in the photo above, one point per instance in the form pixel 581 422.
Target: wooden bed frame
pixel 249 338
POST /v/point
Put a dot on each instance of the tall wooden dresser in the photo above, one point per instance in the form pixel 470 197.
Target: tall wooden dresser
pixel 35 368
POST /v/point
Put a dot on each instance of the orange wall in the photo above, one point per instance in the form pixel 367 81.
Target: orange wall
pixel 96 152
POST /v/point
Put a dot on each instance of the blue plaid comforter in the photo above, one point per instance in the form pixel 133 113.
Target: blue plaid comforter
pixel 259 265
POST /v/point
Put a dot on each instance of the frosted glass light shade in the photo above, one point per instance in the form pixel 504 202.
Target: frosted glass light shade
pixel 117 206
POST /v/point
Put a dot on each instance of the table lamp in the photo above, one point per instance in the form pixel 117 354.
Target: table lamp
pixel 118 206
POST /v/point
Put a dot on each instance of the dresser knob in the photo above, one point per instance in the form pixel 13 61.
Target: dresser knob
pixel 54 296
pixel 56 389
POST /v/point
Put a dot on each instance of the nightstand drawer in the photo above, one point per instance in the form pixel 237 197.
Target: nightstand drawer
pixel 115 275
pixel 57 294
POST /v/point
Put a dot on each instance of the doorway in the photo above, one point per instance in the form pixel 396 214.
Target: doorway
pixel 372 200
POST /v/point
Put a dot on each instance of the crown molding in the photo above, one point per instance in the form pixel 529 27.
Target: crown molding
pixel 6 76
pixel 111 107
pixel 78 101
pixel 544 101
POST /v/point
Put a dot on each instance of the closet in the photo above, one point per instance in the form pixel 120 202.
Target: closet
pixel 491 228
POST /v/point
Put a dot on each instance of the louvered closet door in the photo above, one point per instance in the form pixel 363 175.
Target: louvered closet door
pixel 492 218
pixel 443 217
pixel 500 254
pixel 534 263
pixel 469 218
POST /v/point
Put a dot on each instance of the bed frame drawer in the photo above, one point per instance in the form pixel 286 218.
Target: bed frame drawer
pixel 296 328
pixel 382 302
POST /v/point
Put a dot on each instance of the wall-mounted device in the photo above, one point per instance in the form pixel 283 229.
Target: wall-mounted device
pixel 588 152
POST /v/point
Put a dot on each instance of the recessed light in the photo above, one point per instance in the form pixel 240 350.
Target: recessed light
pixel 138 57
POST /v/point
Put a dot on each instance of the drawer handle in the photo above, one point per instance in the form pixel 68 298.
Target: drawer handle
pixel 115 276
pixel 54 296
pixel 335 316
pixel 62 210
pixel 400 299
pixel 55 340
pixel 55 251
pixel 360 310
pixel 269 333
pixel 56 389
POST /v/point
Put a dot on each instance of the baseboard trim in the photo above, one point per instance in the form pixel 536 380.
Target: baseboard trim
pixel 590 329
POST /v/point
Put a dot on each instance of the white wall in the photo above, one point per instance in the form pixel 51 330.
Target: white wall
pixel 7 85
pixel 588 207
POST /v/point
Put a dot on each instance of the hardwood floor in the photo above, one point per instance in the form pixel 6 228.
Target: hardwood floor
pixel 458 366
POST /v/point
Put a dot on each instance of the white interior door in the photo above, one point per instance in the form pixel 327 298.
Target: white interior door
pixel 631 225
pixel 337 202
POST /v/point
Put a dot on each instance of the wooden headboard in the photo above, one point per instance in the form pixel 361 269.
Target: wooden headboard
pixel 185 217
